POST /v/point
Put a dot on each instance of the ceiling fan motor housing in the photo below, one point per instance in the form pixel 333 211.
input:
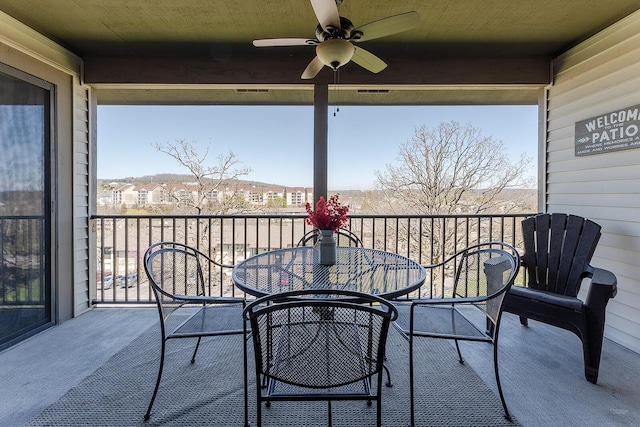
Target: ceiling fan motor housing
pixel 344 32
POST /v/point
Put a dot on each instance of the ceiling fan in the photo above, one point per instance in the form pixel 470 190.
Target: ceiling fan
pixel 336 35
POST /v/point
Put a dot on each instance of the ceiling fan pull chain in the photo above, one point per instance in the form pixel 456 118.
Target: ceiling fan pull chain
pixel 336 82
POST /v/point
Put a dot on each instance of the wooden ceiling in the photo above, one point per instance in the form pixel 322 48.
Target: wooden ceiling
pixel 200 51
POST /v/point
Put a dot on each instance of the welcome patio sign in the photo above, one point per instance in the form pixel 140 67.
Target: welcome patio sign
pixel 615 131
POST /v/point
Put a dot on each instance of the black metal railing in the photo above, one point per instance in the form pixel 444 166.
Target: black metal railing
pixel 122 240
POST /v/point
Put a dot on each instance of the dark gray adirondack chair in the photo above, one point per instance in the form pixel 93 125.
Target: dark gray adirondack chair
pixel 557 255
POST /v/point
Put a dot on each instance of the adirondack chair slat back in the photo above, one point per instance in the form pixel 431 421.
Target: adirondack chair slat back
pixel 557 251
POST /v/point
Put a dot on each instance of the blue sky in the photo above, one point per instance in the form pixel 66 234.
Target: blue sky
pixel 21 145
pixel 277 142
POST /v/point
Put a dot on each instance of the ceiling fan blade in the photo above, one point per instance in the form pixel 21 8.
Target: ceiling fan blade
pixel 312 69
pixel 368 60
pixel 387 26
pixel 327 13
pixel 284 42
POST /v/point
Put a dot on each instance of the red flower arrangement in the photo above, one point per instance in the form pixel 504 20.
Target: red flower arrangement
pixel 329 215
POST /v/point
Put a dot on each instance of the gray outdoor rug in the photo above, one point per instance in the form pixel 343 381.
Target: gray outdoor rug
pixel 210 392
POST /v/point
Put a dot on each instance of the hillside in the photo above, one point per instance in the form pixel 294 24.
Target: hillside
pixel 169 177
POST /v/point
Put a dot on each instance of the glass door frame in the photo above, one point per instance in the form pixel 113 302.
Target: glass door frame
pixel 49 192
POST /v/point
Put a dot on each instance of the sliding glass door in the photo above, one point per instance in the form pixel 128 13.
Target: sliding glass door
pixel 25 205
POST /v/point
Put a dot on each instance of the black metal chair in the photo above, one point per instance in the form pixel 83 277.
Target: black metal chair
pixel 319 345
pixel 557 253
pixel 344 237
pixel 178 275
pixel 483 275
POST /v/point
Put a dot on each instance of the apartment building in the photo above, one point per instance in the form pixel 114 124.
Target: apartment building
pixel 128 194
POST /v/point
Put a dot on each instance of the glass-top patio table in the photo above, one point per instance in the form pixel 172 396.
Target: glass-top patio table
pixel 365 270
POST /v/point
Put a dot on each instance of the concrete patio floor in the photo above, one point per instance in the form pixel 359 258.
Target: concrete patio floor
pixel 541 369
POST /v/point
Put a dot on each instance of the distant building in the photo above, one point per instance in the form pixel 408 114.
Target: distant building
pixel 297 196
pixel 175 193
pixel 150 194
pixel 123 195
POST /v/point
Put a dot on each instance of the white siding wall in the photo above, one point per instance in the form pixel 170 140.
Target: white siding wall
pixel 599 76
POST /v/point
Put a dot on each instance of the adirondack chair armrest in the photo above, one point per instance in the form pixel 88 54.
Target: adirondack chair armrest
pixel 604 285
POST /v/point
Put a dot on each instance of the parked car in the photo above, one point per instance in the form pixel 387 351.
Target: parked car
pixel 129 280
pixel 106 283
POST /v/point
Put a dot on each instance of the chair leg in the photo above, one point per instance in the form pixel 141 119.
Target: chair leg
pixel 524 321
pixel 411 391
pixel 155 390
pixel 388 383
pixel 490 327
pixel 593 331
pixel 259 403
pixel 591 349
pixel 246 376
pixel 193 358
pixel 460 359
pixel 329 412
pixel 507 415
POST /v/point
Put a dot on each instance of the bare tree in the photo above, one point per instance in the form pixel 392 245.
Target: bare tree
pixel 452 169
pixel 213 191
pixel 207 179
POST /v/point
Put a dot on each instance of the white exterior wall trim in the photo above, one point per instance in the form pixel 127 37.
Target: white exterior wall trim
pixel 24 39
pixel 591 48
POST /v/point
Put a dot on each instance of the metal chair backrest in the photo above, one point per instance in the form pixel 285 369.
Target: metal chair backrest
pixel 487 271
pixel 557 251
pixel 344 237
pixel 175 270
pixel 319 339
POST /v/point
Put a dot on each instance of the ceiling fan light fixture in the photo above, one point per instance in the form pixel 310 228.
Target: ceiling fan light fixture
pixel 335 53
